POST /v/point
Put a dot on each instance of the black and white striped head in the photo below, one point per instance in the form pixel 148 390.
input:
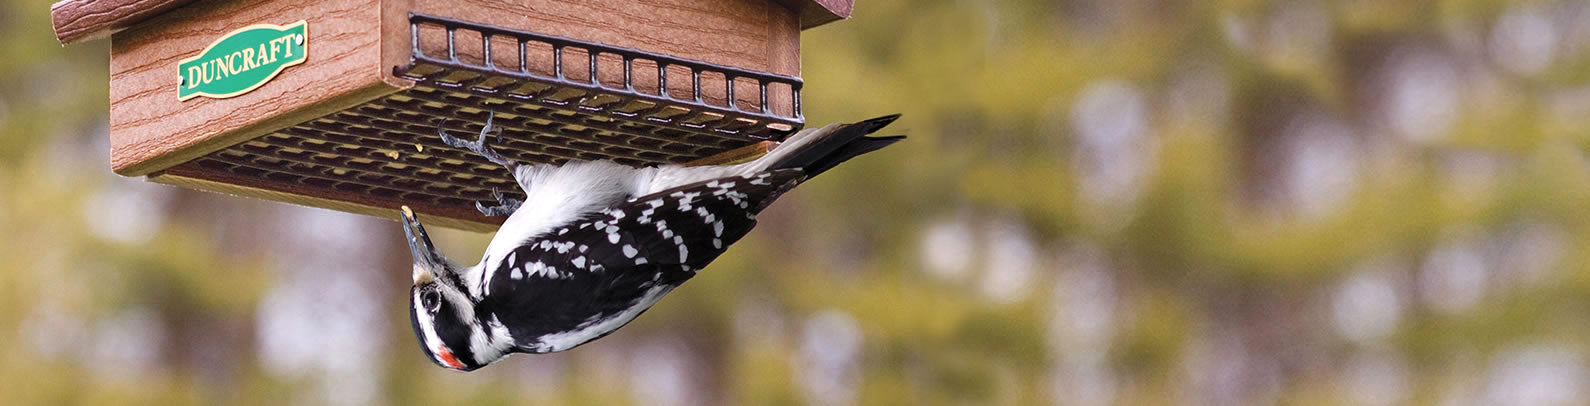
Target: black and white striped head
pixel 440 309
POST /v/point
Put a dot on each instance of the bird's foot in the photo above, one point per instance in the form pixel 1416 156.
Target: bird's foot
pixel 505 205
pixel 479 146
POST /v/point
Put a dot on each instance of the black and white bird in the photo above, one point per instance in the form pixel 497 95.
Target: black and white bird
pixel 596 243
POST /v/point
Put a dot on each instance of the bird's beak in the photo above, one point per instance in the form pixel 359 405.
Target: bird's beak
pixel 426 260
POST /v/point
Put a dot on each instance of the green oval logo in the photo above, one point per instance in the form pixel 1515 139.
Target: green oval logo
pixel 242 60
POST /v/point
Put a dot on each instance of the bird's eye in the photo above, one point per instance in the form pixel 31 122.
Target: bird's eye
pixel 431 300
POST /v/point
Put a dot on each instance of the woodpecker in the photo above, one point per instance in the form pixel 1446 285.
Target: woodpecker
pixel 595 243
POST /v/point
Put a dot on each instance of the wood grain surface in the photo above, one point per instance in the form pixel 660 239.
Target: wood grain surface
pixel 725 32
pixel 83 20
pixel 150 129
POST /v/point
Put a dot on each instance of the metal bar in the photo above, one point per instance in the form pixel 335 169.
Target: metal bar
pixel 662 79
pixel 524 59
pixel 599 48
pixel 485 47
pixel 594 50
pixel 722 122
pixel 592 55
pixel 452 48
pixel 629 73
pixel 696 79
pixel 414 37
pixel 557 61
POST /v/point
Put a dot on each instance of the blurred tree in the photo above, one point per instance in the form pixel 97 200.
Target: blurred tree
pixel 1132 202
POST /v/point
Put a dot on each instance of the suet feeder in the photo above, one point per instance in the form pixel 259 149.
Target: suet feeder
pixel 337 103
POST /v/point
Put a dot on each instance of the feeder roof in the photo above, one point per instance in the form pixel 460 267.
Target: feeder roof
pixel 83 20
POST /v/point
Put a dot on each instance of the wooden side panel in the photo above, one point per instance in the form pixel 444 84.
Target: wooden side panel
pixel 783 57
pixel 759 35
pixel 83 20
pixel 725 32
pixel 395 44
pixel 784 43
pixel 151 130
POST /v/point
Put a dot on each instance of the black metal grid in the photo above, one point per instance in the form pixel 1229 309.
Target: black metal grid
pixel 652 103
pixel 385 152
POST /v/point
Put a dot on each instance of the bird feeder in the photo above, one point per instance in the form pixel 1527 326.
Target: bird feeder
pixel 337 103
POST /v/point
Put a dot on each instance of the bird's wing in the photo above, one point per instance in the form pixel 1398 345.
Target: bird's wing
pixel 604 262
pixel 559 194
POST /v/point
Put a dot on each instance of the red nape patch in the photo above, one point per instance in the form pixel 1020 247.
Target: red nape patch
pixel 448 358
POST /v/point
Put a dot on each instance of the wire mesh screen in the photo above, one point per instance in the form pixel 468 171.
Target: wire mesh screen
pixel 555 99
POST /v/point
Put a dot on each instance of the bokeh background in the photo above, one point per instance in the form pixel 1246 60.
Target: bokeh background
pixel 1101 202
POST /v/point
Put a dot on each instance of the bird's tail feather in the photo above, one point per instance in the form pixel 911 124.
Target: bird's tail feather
pixel 825 148
pixel 811 150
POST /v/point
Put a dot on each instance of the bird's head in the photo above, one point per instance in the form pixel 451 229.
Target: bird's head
pixel 440 308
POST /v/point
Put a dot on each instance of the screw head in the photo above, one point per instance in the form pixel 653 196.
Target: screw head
pixel 299 39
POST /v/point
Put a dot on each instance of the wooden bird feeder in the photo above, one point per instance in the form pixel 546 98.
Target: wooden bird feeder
pixel 336 103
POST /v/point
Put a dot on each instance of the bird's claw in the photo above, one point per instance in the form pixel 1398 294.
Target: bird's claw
pixel 479 145
pixel 505 205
